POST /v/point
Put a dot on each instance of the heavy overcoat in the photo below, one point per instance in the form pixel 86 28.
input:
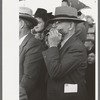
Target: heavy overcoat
pixel 32 68
pixel 66 67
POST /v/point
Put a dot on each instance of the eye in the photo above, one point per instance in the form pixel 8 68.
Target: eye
pixel 55 24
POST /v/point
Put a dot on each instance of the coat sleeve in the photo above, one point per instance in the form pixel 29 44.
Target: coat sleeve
pixel 58 66
pixel 32 67
pixel 22 94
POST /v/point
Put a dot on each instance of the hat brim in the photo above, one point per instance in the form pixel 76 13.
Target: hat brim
pixel 77 20
pixel 29 18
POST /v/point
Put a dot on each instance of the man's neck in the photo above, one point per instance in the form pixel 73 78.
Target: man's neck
pixel 65 39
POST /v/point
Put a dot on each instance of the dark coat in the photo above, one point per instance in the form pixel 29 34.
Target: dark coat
pixel 22 94
pixel 32 68
pixel 66 65
pixel 90 80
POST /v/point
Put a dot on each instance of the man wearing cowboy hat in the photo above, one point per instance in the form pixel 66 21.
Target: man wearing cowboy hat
pixel 66 64
pixel 32 66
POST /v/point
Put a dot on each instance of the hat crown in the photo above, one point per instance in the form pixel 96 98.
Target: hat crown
pixel 26 13
pixel 64 10
pixel 25 10
pixel 66 13
pixel 40 11
pixel 43 14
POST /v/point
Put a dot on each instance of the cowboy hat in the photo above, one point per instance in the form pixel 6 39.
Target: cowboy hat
pixel 26 13
pixel 65 13
pixel 42 13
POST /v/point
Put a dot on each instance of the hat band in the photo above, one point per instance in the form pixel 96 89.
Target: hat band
pixel 65 16
pixel 26 14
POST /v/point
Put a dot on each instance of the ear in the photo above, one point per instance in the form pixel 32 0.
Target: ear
pixel 71 26
pixel 21 24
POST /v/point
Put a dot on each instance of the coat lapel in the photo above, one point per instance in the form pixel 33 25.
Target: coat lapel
pixel 24 42
pixel 70 40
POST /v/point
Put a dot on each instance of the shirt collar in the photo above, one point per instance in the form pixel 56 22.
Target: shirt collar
pixel 21 40
pixel 64 41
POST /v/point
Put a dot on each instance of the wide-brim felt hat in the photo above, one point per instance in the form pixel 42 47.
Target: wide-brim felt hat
pixel 27 13
pixel 42 13
pixel 66 13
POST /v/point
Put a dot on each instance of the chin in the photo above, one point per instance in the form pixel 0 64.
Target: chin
pixel 90 62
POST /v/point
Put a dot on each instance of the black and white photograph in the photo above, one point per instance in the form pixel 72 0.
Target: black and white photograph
pixel 50 50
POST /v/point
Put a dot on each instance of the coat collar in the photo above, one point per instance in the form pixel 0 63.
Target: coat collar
pixel 70 40
pixel 27 38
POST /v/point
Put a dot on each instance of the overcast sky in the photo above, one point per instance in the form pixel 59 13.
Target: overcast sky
pixel 51 4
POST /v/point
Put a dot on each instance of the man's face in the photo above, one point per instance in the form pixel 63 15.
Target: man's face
pixel 88 44
pixel 40 25
pixel 61 25
pixel 90 36
pixel 91 58
pixel 90 20
pixel 21 23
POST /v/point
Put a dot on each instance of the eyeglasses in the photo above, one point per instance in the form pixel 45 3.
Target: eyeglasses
pixel 54 25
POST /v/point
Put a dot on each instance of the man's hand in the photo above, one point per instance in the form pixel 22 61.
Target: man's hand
pixel 54 38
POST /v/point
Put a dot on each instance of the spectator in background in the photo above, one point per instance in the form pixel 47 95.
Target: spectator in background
pixel 90 75
pixel 90 21
pixel 91 27
pixel 81 29
pixel 90 45
pixel 91 36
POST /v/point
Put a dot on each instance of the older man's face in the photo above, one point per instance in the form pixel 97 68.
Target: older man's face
pixel 61 25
